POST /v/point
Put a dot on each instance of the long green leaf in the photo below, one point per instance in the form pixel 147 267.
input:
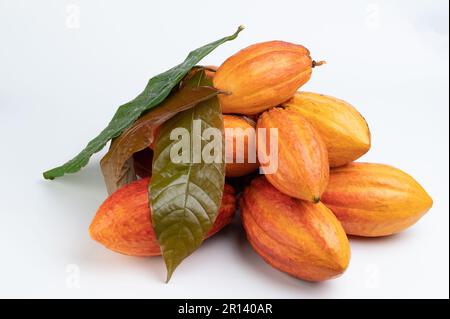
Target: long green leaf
pixel 116 168
pixel 185 197
pixel 157 89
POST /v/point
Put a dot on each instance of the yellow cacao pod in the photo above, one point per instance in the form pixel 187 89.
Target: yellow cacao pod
pixel 342 127
pixel 300 238
pixel 261 76
pixel 375 199
pixel 303 166
pixel 240 138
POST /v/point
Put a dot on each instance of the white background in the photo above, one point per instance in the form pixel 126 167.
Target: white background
pixel 66 65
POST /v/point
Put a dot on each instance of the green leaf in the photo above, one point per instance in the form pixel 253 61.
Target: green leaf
pixel 186 197
pixel 157 89
pixel 117 165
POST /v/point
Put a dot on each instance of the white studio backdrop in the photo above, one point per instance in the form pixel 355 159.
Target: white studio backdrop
pixel 66 65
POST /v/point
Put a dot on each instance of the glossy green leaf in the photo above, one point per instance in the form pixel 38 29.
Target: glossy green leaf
pixel 117 165
pixel 186 197
pixel 157 89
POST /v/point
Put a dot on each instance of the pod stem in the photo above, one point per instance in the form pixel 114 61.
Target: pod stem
pixel 318 63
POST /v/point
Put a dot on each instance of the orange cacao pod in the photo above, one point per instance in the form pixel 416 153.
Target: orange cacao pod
pixel 343 129
pixel 239 134
pixel 374 199
pixel 123 222
pixel 261 76
pixel 300 238
pixel 303 166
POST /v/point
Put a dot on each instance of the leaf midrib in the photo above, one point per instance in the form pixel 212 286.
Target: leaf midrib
pixel 188 181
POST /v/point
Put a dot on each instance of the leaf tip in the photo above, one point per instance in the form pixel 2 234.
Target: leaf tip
pixel 239 29
pixel 169 275
pixel 48 175
pixel 170 270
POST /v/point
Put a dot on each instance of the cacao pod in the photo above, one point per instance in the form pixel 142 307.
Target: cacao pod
pixel 240 138
pixel 300 238
pixel 123 222
pixel 374 199
pixel 261 76
pixel 303 167
pixel 343 129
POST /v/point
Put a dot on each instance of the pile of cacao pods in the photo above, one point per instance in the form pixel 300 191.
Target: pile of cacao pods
pixel 298 217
